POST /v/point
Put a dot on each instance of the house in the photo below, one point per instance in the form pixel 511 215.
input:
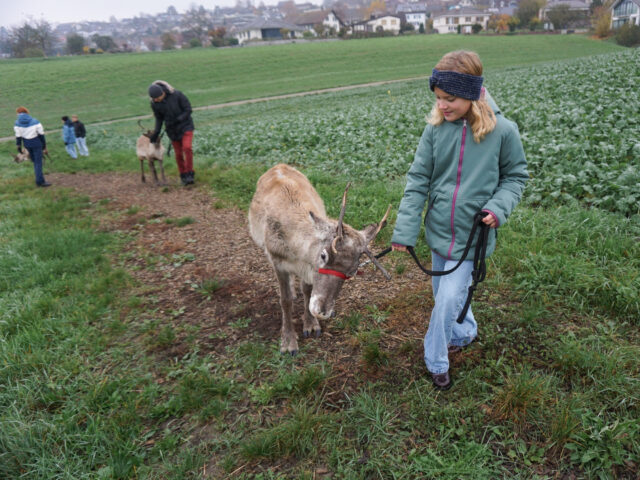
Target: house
pixel 329 19
pixel 414 13
pixel 465 18
pixel 578 6
pixel 625 11
pixel 386 23
pixel 262 29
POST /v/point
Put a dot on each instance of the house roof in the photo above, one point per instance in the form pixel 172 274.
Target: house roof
pixel 461 12
pixel 411 8
pixel 261 23
pixel 312 17
pixel 618 2
pixel 573 4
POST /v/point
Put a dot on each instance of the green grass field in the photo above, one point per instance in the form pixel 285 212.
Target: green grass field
pixel 553 392
pixel 114 86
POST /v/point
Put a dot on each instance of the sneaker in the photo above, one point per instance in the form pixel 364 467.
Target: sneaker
pixel 441 381
pixel 190 178
pixel 45 184
pixel 184 178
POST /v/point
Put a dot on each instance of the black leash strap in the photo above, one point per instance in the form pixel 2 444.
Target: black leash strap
pixel 479 266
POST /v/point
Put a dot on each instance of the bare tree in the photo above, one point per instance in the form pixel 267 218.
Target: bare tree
pixel 197 21
pixel 44 35
pixel 24 41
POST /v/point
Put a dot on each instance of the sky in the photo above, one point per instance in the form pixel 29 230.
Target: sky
pixel 14 12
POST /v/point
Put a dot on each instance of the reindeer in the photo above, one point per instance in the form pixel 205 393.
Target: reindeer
pixel 287 219
pixel 151 152
pixel 24 156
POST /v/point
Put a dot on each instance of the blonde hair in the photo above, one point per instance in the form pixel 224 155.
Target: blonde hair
pixel 480 114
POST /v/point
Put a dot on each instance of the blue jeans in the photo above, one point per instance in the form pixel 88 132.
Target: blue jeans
pixel 450 292
pixel 81 143
pixel 71 150
pixel 36 158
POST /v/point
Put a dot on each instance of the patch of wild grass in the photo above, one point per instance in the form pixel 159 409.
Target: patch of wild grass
pixel 586 258
pixel 180 222
pixel 298 435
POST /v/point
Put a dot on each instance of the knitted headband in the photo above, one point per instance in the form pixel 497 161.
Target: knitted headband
pixel 460 85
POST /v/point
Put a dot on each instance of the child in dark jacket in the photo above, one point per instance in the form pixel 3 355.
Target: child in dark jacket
pixel 81 134
pixel 469 159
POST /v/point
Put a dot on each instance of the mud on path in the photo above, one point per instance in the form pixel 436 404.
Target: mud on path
pixel 170 262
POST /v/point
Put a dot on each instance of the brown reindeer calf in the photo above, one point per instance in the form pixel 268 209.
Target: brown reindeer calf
pixel 287 219
pixel 152 153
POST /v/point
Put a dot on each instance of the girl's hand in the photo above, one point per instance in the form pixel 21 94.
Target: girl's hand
pixel 396 247
pixel 490 220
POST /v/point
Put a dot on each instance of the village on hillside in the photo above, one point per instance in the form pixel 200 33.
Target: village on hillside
pixel 247 24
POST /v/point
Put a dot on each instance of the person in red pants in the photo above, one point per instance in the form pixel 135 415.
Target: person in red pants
pixel 172 107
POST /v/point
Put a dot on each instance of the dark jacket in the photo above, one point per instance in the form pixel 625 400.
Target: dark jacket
pixel 78 126
pixel 174 111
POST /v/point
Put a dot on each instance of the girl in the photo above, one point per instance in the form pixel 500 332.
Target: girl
pixel 469 158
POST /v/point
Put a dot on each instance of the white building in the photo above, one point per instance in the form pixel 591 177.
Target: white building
pixel 625 11
pixel 465 18
pixel 387 23
pixel 415 13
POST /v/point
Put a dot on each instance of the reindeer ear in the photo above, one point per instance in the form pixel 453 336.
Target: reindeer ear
pixel 371 231
pixel 320 224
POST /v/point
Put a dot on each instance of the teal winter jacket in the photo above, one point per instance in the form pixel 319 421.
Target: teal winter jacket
pixel 460 177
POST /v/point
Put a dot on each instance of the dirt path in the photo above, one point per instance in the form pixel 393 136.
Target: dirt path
pixel 170 262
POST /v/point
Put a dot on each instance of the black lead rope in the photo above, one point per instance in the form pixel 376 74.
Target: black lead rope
pixel 479 265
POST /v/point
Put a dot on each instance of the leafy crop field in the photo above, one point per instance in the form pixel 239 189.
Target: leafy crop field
pixel 105 87
pixel 552 390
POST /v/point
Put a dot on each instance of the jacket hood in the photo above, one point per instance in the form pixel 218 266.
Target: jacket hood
pixel 491 102
pixel 165 86
pixel 25 120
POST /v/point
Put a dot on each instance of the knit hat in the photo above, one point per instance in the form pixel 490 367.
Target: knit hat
pixel 22 110
pixel 155 90
pixel 458 84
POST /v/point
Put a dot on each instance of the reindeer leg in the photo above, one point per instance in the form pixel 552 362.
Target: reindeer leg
pixel 164 179
pixel 310 324
pixel 144 180
pixel 152 167
pixel 289 339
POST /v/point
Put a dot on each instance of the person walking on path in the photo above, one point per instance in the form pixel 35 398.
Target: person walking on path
pixel 69 137
pixel 81 134
pixel 172 107
pixel 29 132
pixel 469 159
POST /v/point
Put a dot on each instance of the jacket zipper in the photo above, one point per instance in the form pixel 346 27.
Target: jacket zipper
pixel 455 192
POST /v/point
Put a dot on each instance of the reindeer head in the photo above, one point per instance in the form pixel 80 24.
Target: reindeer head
pixel 21 157
pixel 149 133
pixel 339 258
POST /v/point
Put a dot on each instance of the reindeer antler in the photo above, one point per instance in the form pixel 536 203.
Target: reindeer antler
pixel 373 258
pixel 383 222
pixel 340 219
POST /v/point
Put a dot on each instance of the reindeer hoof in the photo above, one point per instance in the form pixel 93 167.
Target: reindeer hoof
pixel 318 333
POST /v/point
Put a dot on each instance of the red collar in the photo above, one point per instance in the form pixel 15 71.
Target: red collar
pixel 335 273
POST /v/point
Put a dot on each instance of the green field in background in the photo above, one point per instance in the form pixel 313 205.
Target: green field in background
pixel 105 87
